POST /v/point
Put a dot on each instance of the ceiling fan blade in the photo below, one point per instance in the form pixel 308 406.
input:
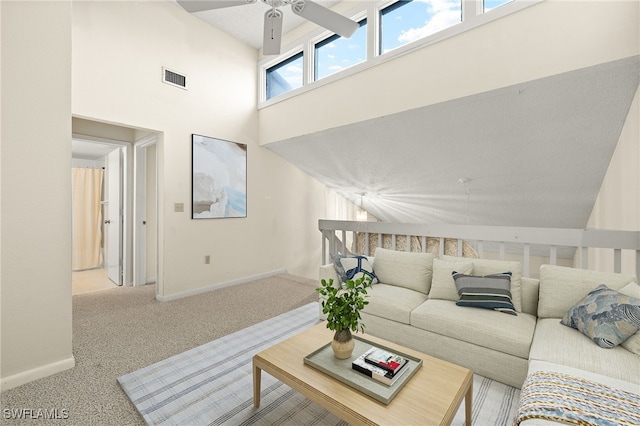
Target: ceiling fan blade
pixel 324 17
pixel 272 32
pixel 193 6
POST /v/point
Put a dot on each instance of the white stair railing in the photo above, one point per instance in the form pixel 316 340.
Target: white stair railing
pixel 551 243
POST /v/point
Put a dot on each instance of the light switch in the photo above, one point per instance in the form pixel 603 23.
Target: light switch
pixel 179 207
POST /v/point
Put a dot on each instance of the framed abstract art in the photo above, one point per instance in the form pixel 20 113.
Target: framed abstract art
pixel 219 178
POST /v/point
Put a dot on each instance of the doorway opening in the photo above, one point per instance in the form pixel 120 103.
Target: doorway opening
pixel 98 214
pixel 114 199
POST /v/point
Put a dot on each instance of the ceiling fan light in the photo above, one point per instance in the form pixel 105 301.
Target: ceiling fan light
pixel 324 17
pixel 272 32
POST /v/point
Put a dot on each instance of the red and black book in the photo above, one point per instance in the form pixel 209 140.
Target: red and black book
pixel 375 372
pixel 386 360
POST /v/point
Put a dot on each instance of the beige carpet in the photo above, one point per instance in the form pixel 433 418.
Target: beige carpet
pixel 121 330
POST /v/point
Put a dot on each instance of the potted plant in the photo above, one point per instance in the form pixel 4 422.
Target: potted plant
pixel 342 305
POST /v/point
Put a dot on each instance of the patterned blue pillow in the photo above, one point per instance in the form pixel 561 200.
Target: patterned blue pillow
pixel 489 292
pixel 605 316
pixel 353 267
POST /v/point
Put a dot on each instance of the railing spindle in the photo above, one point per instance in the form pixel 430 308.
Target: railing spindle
pixel 366 244
pixel 617 260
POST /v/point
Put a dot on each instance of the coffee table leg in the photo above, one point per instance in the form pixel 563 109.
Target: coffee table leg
pixel 467 404
pixel 257 375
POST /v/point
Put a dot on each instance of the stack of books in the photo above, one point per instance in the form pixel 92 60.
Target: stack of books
pixel 381 365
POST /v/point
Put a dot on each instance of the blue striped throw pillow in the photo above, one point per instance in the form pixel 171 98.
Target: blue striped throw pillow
pixel 489 292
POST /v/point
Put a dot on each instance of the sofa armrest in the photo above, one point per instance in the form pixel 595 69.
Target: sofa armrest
pixel 530 288
pixel 328 272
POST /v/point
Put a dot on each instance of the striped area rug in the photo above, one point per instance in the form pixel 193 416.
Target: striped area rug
pixel 212 384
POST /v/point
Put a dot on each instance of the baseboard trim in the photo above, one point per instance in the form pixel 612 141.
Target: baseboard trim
pixel 28 376
pixel 218 286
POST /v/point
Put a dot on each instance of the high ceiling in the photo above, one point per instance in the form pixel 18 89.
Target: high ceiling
pixel 533 154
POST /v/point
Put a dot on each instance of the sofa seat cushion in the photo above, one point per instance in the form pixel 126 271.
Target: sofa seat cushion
pixel 555 343
pixel 494 330
pixel 393 302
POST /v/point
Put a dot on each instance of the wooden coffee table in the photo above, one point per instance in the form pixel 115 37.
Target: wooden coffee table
pixel 431 397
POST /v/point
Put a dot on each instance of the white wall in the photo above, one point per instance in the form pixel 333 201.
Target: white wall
pixel 618 204
pixel 548 38
pixel 36 190
pixel 119 49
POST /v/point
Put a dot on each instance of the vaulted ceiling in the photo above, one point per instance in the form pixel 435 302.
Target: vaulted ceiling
pixel 534 154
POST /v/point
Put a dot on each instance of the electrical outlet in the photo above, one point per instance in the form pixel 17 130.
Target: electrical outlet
pixel 178 207
pixel 207 259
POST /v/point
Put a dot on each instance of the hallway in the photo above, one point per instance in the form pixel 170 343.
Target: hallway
pixel 90 280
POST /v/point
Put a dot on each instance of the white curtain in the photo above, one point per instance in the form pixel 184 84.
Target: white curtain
pixel 87 218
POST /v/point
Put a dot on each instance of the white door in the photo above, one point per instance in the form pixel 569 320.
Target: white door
pixel 113 221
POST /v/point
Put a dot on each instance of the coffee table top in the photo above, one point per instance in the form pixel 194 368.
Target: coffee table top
pixel 432 396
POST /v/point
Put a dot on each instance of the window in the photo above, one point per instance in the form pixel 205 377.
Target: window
pixel 409 20
pixel 336 53
pixel 492 4
pixel 285 76
pixel 398 23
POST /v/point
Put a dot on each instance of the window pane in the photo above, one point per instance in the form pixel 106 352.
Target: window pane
pixel 410 20
pixel 285 76
pixel 492 4
pixel 336 53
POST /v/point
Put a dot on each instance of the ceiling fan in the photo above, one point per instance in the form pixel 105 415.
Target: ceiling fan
pixel 307 9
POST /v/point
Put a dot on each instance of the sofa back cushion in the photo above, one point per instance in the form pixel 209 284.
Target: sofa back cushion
pixel 562 287
pixel 404 269
pixel 482 267
pixel 530 290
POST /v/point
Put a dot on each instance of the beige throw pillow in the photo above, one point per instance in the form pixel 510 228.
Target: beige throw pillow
pixel 442 285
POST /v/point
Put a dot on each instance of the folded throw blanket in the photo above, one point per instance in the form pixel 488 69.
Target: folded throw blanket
pixel 569 399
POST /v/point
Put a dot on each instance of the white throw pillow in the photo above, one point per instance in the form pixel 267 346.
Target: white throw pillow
pixel 482 267
pixel 442 285
pixel 404 269
pixel 632 344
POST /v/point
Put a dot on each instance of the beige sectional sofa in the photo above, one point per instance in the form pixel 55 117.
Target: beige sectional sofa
pixel 414 304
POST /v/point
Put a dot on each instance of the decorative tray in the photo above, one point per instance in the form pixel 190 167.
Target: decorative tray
pixel 340 369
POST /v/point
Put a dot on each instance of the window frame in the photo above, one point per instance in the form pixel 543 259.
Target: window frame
pixel 325 39
pixel 278 60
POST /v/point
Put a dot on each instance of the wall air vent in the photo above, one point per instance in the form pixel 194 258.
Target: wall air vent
pixel 174 79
